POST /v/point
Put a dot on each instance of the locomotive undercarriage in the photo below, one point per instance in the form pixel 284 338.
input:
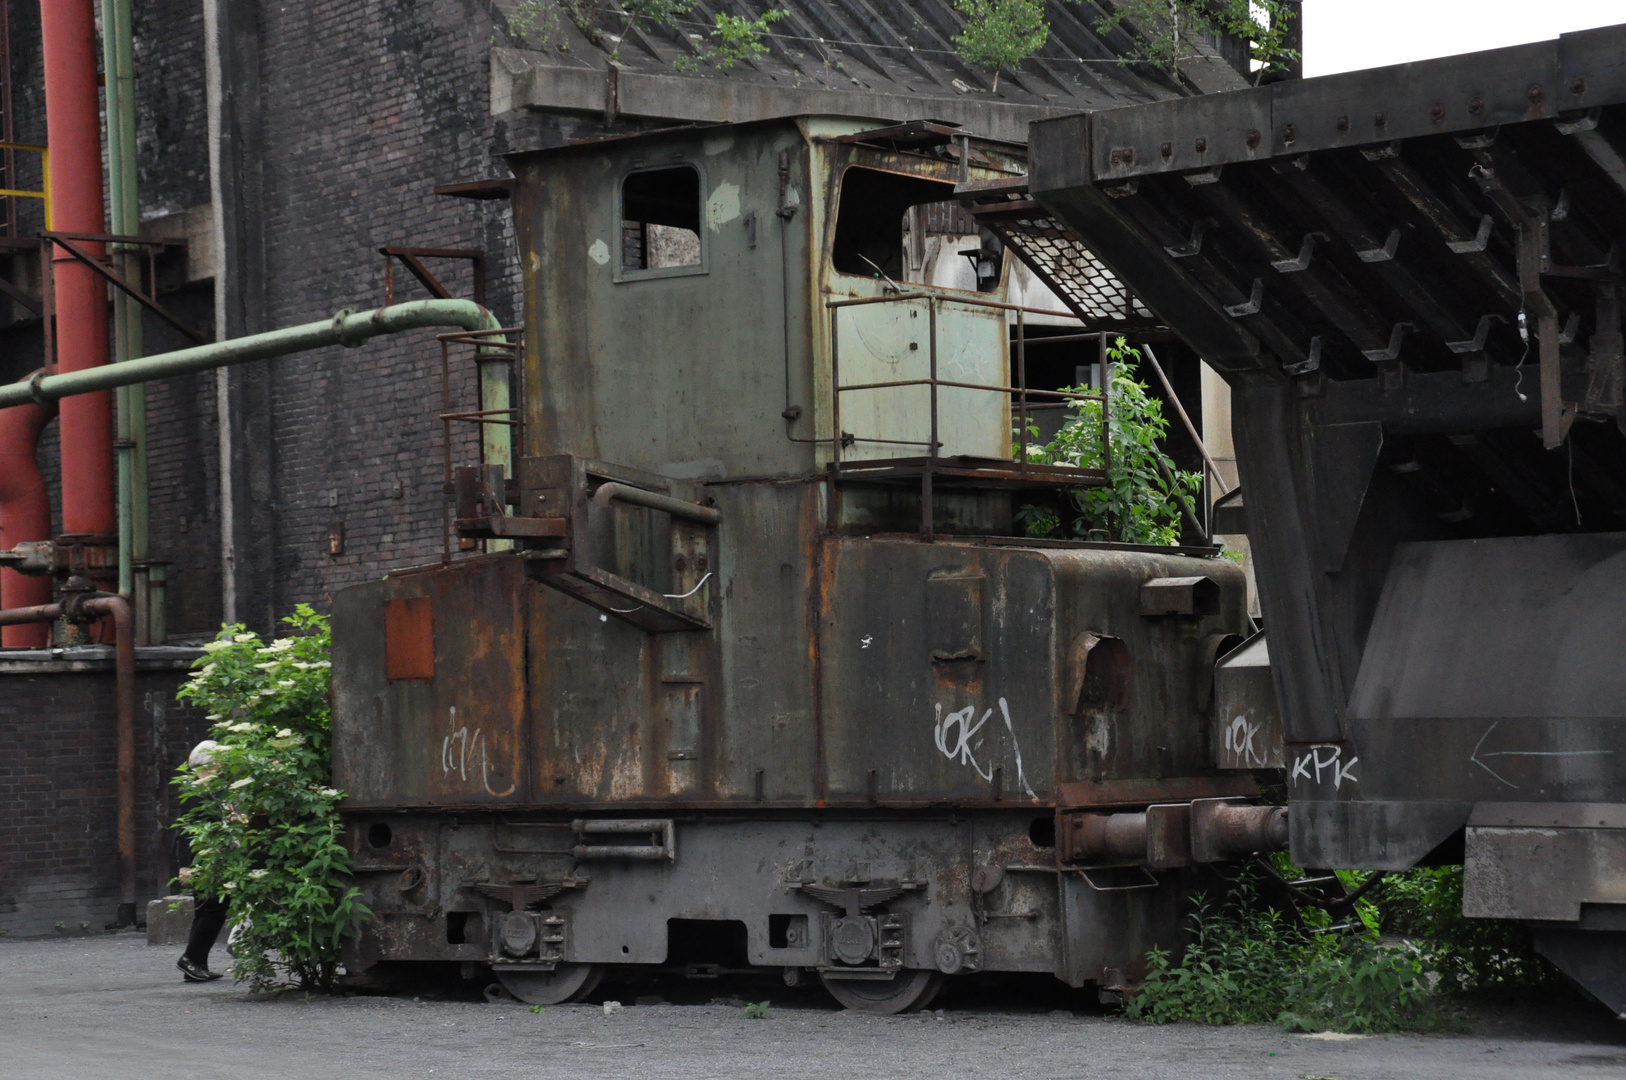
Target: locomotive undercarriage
pixel 878 908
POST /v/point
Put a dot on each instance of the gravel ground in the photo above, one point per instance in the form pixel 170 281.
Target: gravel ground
pixel 111 1007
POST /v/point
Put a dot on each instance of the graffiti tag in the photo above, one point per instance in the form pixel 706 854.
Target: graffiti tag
pixel 458 750
pixel 956 739
pixel 1331 764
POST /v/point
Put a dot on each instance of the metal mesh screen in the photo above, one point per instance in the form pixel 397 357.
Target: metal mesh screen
pixel 1062 262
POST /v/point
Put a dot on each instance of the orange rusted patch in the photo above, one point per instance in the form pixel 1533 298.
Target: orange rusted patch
pixel 409 638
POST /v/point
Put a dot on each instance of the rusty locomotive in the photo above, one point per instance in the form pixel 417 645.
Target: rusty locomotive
pixel 754 648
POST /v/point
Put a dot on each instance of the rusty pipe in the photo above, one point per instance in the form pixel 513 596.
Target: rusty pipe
pixel 37 613
pixel 1222 830
pixel 124 672
pixel 680 508
pixel 1191 429
pixel 1106 838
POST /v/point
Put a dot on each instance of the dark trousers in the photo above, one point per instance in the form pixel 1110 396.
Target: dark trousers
pixel 207 919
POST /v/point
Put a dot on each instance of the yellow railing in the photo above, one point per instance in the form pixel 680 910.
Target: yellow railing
pixel 45 175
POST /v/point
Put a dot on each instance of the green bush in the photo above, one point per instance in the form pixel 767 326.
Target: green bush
pixel 1141 501
pixel 1248 964
pixel 1387 962
pixel 261 817
pixel 1468 954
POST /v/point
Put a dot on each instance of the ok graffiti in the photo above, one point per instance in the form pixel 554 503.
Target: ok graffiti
pixel 1328 760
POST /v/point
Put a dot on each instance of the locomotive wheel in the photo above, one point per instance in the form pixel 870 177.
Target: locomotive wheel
pixel 910 990
pixel 567 982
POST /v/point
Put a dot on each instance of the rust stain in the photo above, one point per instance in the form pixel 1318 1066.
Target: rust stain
pixel 409 638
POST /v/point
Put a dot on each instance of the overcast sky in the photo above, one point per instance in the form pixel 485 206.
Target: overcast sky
pixel 1342 35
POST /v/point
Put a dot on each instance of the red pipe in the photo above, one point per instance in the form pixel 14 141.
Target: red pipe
pixel 74 133
pixel 25 514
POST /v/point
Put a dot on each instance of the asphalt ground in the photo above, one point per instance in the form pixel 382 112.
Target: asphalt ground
pixel 111 1007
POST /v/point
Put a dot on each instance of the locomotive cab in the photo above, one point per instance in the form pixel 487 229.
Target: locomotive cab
pixel 746 648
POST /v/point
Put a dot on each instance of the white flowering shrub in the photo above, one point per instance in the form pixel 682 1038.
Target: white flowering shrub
pixel 261 816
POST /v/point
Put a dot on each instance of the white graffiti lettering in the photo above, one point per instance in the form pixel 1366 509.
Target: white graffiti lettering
pixel 957 739
pixel 1330 764
pixel 961 747
pixel 1239 736
pixel 457 747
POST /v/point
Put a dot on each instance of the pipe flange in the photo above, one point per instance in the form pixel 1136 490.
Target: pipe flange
pixel 76 592
pixel 36 391
pixel 348 338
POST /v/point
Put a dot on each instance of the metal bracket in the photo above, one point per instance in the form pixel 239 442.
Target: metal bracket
pixel 1392 352
pixel 1302 260
pixel 1384 253
pixel 1251 305
pixel 1478 243
pixel 1311 361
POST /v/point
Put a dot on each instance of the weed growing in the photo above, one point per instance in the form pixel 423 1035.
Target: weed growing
pixel 1248 963
pixel 1146 495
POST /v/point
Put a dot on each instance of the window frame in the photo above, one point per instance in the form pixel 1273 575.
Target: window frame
pixel 835 222
pixel 620 274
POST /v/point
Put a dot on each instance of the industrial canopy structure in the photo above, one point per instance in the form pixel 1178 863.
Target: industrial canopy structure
pixel 1411 278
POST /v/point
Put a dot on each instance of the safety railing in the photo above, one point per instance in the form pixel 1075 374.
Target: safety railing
pixel 9 167
pixel 505 346
pixel 1022 470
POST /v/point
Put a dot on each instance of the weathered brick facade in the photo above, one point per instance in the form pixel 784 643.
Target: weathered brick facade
pixel 58 866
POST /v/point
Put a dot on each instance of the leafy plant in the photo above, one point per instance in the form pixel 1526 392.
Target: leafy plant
pixel 1000 34
pixel 658 12
pixel 756 1010
pixel 1248 964
pixel 1469 954
pixel 1168 31
pixel 732 40
pixel 261 817
pixel 1142 499
pixel 535 22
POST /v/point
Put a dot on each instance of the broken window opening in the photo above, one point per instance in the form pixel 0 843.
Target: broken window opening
pixel 911 230
pixel 869 220
pixel 660 219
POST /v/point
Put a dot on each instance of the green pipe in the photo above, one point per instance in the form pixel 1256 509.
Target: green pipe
pixel 348 327
pixel 118 62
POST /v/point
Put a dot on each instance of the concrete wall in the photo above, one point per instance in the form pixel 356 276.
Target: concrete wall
pixel 58 849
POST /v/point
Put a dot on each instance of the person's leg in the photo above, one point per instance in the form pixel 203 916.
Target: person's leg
pixel 207 919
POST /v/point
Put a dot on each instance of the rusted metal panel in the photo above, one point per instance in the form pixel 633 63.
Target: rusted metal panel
pixel 1091 793
pixel 1247 731
pixel 409 638
pixel 763 743
pixel 902 722
pixel 1128 707
pixel 590 704
pixel 456 738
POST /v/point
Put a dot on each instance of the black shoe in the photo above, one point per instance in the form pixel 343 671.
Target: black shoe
pixel 195 972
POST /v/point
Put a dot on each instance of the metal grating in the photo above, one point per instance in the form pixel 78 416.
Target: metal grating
pixel 1059 259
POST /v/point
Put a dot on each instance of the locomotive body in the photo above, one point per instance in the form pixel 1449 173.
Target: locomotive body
pixel 755 661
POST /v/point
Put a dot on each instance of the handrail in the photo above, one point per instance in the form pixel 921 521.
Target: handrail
pixel 45 177
pixel 1021 392
pixel 705 515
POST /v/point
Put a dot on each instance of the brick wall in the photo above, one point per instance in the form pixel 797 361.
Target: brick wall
pixel 375 103
pixel 58 850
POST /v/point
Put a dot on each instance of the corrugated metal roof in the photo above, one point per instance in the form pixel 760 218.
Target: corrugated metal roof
pixel 891 47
